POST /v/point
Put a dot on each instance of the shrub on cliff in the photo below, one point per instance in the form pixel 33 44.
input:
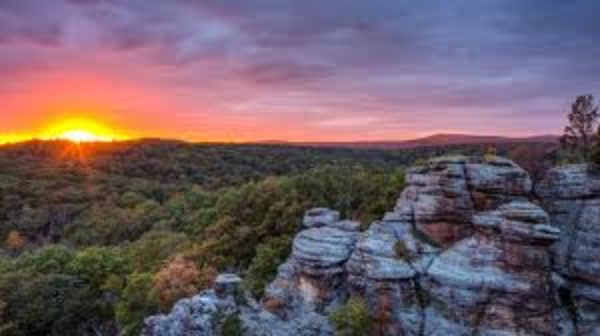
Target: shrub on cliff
pixel 352 319
pixel 268 257
pixel 232 326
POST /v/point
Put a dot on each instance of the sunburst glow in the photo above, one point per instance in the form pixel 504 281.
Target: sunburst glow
pixel 82 131
pixel 83 136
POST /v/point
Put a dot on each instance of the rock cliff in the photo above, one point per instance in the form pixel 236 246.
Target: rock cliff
pixel 469 249
pixel 571 196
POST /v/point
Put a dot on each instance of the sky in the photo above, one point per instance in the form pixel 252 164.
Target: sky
pixel 310 70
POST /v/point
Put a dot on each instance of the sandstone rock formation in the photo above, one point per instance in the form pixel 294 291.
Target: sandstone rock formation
pixel 313 279
pixel 444 194
pixel 466 251
pixel 194 316
pixel 497 281
pixel 572 197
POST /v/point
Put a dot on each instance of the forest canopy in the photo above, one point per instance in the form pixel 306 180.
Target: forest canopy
pixel 99 236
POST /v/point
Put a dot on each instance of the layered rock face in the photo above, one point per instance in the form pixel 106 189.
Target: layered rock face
pixel 497 281
pixel 466 251
pixel 444 194
pixel 313 279
pixel 409 265
pixel 198 315
pixel 572 197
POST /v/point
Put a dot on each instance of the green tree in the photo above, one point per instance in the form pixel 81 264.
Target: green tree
pixel 149 253
pixel 54 304
pixel 579 135
pixel 104 270
pixel 264 266
pixel 352 319
pixel 232 325
pixel 138 301
pixel 6 264
pixel 98 266
pixel 51 259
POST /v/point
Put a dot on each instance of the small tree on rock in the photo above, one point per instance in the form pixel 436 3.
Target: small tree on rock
pixel 352 319
pixel 580 134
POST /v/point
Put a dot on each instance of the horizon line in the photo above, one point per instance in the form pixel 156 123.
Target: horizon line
pixel 473 136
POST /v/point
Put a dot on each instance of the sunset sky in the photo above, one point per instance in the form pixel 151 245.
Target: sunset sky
pixel 335 70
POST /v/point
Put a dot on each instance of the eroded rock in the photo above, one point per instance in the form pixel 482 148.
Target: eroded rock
pixel 314 278
pixel 571 195
pixel 444 194
pixel 499 281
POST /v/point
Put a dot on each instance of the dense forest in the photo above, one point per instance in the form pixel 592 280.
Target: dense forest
pixel 98 236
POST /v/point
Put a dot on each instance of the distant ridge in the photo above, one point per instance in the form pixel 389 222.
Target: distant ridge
pixel 429 141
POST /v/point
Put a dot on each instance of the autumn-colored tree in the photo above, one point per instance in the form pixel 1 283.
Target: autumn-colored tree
pixel 15 241
pixel 579 135
pixel 178 279
pixel 490 153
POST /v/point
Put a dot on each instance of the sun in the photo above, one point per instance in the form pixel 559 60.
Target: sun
pixel 79 131
pixel 80 136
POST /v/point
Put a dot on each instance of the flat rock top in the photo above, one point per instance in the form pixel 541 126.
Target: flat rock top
pixel 519 220
pixel 320 217
pixel 325 246
pixel 228 278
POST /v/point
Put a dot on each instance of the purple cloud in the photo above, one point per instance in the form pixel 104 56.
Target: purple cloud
pixel 332 61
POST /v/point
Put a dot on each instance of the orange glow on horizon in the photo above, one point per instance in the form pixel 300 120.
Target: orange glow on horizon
pixel 81 130
pixel 83 136
pixel 74 130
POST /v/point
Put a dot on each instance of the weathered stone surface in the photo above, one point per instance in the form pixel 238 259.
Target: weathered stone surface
pixel 571 195
pixel 227 284
pixel 314 276
pixel 266 324
pixel 383 270
pixel 499 280
pixel 203 314
pixel 319 217
pixel 194 316
pixel 496 181
pixel 444 194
